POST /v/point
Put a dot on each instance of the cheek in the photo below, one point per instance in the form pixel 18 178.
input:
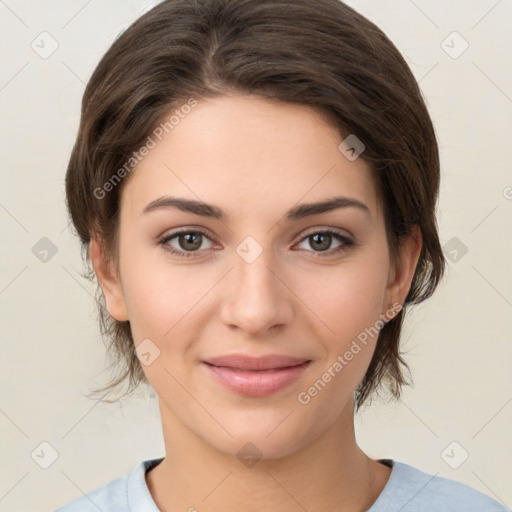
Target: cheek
pixel 346 300
pixel 349 304
pixel 158 295
pixel 162 298
pixel 163 309
pixel 159 307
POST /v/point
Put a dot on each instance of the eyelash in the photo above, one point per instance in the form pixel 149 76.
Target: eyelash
pixel 347 243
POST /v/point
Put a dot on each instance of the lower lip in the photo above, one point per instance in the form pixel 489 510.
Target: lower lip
pixel 257 383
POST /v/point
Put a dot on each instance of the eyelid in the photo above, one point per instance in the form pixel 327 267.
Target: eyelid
pixel 323 229
pixel 206 233
pixel 169 235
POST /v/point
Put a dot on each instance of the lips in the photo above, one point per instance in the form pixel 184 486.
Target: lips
pixel 256 376
pixel 247 363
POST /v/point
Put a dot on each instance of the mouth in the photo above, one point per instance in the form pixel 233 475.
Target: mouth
pixel 256 377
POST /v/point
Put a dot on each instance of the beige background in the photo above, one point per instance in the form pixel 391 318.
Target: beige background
pixel 459 343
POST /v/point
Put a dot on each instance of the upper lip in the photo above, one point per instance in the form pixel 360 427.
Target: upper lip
pixel 245 362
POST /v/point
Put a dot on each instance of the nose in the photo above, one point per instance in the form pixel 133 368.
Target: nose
pixel 256 295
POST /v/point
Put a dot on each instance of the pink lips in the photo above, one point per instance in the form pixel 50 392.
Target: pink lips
pixel 256 376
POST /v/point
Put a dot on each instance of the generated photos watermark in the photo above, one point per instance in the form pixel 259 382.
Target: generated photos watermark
pixel 304 397
pixel 137 156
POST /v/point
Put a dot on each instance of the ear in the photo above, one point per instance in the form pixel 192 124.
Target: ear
pixel 109 282
pixel 401 277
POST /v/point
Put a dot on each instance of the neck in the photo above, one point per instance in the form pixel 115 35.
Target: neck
pixel 331 472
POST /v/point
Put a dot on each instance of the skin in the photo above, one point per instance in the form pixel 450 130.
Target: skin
pixel 255 158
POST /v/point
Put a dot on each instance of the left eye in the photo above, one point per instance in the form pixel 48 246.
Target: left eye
pixel 321 240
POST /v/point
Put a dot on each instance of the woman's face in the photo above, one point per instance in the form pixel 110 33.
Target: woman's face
pixel 258 281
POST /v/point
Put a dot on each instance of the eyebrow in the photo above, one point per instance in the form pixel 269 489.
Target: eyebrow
pixel 297 212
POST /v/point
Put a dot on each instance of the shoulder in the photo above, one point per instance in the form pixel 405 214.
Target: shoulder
pixel 106 498
pixel 412 490
pixel 128 492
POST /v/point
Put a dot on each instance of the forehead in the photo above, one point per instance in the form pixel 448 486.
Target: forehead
pixel 249 154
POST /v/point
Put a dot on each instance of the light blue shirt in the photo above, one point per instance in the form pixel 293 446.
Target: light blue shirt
pixel 407 490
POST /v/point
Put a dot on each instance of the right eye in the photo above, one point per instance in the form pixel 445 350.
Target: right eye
pixel 188 241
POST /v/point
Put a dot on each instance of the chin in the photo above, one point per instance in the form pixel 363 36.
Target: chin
pixel 250 449
pixel 264 439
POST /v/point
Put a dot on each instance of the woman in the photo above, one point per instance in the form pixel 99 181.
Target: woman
pixel 255 184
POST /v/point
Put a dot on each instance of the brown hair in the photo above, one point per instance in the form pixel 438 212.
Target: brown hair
pixel 318 53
